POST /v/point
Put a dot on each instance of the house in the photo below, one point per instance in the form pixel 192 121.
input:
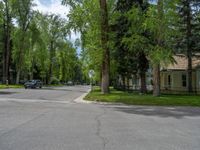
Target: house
pixel 134 81
pixel 174 76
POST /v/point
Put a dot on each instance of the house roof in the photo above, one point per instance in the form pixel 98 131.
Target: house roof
pixel 181 62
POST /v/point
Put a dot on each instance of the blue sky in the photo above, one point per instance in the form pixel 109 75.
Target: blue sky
pixel 55 7
pixel 46 2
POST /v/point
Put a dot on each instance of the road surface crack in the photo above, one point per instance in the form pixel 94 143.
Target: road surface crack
pixel 104 140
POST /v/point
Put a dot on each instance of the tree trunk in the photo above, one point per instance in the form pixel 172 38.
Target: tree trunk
pixel 104 45
pixel 189 51
pixel 18 77
pixel 143 88
pixel 156 67
pixel 100 76
pixel 143 66
pixel 8 55
pixel 51 62
pixel 20 62
pixel 4 59
pixel 7 45
pixel 32 71
pixel 31 75
pixel 189 75
pixel 124 82
pixel 127 82
pixel 156 80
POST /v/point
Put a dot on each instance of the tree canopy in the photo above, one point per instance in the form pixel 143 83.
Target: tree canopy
pixel 120 40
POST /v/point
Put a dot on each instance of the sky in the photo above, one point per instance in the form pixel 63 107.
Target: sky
pixel 55 7
pixel 51 6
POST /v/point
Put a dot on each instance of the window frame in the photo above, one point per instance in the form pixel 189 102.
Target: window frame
pixel 184 80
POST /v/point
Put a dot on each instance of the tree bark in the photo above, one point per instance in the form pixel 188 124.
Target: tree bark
pixel 156 66
pixel 127 82
pixel 50 72
pixel 104 45
pixel 189 51
pixel 7 43
pixel 143 88
pixel 156 80
pixel 143 66
pixel 8 54
pixel 51 61
pixel 124 82
pixel 4 57
pixel 21 59
pixel 18 76
pixel 31 72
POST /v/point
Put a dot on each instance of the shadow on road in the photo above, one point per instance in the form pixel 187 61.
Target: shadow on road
pixel 7 93
pixel 175 112
pixel 54 89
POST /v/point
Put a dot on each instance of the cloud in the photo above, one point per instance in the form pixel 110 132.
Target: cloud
pixel 51 6
pixel 74 36
pixel 55 7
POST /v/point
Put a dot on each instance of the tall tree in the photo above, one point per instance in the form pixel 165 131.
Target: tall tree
pixel 160 21
pixel 159 41
pixel 125 61
pixel 188 10
pixel 67 61
pixel 132 24
pixel 23 11
pixel 35 42
pixel 39 53
pixel 131 58
pixel 89 25
pixel 7 26
pixel 104 45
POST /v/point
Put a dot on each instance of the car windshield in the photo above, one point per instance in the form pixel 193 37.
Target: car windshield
pixel 31 81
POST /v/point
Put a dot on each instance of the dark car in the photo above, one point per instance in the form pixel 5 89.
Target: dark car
pixel 33 84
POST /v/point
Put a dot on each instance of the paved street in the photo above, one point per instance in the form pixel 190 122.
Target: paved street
pixel 66 94
pixel 50 119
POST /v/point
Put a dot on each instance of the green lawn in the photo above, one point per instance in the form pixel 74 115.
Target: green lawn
pixel 3 86
pixel 137 99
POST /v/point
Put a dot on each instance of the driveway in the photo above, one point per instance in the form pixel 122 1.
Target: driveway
pixel 53 121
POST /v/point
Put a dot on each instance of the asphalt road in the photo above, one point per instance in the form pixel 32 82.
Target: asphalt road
pixel 49 119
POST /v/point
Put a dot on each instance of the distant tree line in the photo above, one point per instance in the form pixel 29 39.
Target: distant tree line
pixel 35 45
pixel 118 38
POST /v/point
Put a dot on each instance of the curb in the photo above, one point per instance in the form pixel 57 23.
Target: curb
pixel 81 100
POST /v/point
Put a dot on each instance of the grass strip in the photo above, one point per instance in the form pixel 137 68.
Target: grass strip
pixel 3 86
pixel 135 98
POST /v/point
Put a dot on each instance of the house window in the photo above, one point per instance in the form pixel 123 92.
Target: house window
pixel 169 80
pixel 184 80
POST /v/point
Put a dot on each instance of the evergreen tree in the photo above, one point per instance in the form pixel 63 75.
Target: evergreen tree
pixel 189 29
pixel 129 60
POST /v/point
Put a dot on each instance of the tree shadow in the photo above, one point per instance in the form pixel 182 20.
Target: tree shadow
pixel 6 93
pixel 159 111
pixel 54 89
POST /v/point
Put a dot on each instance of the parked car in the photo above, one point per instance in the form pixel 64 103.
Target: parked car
pixel 70 83
pixel 33 84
